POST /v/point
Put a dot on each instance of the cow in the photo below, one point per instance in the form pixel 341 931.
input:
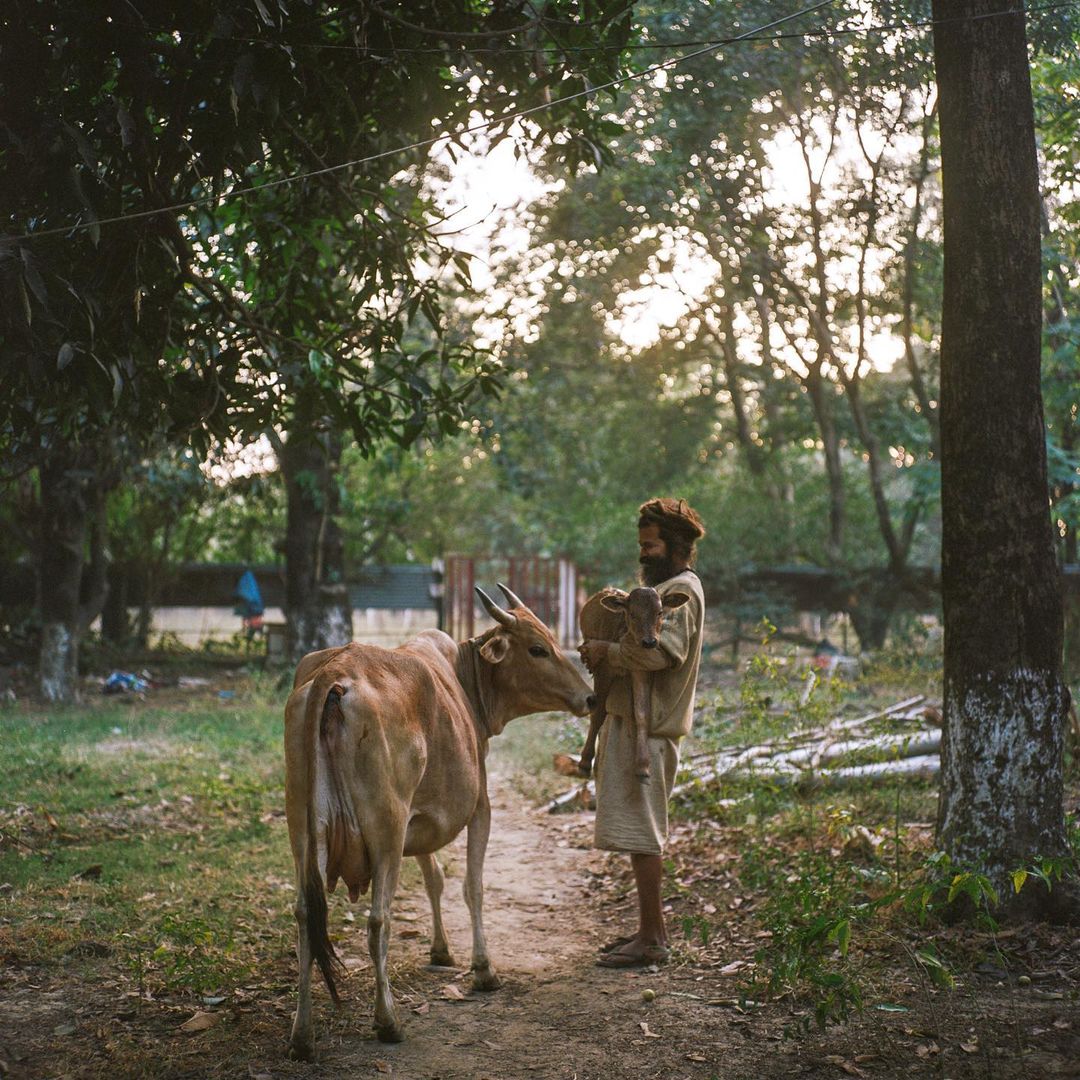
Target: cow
pixel 632 618
pixel 384 757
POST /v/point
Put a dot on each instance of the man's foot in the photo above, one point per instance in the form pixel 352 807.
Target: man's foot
pixel 632 955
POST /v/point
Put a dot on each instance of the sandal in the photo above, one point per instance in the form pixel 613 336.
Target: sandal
pixel 618 943
pixel 651 955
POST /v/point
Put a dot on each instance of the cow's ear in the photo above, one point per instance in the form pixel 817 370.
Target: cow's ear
pixel 675 600
pixel 615 601
pixel 496 647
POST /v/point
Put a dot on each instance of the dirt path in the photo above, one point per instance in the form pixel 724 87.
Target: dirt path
pixel 557 1015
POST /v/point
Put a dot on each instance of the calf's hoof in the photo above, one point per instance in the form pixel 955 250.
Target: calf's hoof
pixel 485 979
pixel 389 1033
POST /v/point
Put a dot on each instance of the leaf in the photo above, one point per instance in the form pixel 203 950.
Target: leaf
pixel 646 1032
pixel 1018 879
pixel 201 1021
pixel 452 992
pixel 65 355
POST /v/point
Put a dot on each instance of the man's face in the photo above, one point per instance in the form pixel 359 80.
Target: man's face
pixel 653 556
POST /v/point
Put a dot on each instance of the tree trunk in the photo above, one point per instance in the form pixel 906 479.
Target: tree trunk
pixel 871 606
pixel 67 497
pixel 317 608
pixel 1004 699
pixel 819 390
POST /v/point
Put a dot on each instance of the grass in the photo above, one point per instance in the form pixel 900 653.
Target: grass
pixel 133 829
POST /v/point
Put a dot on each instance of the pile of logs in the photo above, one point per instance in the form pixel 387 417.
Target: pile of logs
pixel 832 756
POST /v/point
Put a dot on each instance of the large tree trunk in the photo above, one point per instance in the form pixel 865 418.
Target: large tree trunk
pixel 317 608
pixel 1005 702
pixel 71 590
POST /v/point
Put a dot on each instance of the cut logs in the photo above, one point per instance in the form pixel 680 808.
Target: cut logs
pixel 839 754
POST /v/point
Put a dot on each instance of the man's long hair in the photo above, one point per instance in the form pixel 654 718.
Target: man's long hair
pixel 680 526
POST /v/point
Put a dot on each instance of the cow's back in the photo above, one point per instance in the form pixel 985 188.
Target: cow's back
pixel 599 624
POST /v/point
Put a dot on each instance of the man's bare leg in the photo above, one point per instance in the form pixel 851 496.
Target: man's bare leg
pixel 651 936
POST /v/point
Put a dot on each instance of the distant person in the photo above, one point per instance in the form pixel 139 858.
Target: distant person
pixel 632 816
pixel 249 605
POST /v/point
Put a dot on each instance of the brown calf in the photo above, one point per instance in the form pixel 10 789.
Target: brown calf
pixel 632 618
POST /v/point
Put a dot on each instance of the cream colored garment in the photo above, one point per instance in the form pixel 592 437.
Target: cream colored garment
pixel 674 664
pixel 631 815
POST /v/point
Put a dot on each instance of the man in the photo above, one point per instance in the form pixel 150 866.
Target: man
pixel 631 816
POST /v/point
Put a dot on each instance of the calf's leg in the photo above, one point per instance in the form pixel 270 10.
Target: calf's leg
pixel 640 684
pixel 484 977
pixel 601 686
pixel 433 883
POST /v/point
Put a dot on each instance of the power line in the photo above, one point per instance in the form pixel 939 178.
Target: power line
pixel 796 35
pixel 755 34
pixel 211 200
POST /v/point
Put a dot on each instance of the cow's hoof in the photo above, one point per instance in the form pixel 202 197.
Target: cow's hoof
pixel 442 959
pixel 485 979
pixel 302 1051
pixel 389 1033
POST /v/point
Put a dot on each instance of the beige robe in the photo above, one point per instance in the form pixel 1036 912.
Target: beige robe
pixel 632 816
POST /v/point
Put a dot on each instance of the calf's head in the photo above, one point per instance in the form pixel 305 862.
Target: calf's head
pixel 530 672
pixel 644 610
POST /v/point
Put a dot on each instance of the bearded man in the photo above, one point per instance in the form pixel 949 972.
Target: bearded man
pixel 631 815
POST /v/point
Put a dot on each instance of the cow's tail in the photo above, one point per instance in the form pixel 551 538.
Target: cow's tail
pixel 322 948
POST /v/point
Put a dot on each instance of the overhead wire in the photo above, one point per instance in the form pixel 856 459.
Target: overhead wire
pixel 519 114
pixel 502 50
pixel 706 47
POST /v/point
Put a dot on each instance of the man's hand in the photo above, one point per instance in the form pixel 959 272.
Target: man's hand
pixel 593 653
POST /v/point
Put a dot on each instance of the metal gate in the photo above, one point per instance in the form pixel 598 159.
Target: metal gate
pixel 548 587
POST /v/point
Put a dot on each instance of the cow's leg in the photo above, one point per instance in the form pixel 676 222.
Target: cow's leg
pixel 384 878
pixel 302 1040
pixel 640 687
pixel 433 882
pixel 484 977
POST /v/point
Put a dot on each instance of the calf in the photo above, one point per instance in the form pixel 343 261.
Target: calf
pixel 632 618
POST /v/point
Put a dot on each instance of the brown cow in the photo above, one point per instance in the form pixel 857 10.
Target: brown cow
pixel 632 618
pixel 384 757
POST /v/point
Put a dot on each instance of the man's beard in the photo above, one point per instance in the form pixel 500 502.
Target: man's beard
pixel 656 568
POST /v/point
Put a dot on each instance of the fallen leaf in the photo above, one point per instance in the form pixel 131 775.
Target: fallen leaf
pixel 925 1050
pixel 64 1029
pixel 201 1021
pixel 422 1010
pixel 696 1057
pixel 383 1066
pixel 733 967
pixel 409 932
pixel 452 992
pixel 970 1047
pixel 846 1066
pixel 646 1032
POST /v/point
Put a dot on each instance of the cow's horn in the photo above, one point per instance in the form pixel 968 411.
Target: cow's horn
pixel 512 598
pixel 503 618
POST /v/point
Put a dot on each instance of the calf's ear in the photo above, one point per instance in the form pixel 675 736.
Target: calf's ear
pixel 496 647
pixel 614 601
pixel 675 600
